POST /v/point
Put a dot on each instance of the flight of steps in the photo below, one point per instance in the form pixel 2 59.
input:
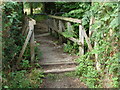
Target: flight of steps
pixel 58 67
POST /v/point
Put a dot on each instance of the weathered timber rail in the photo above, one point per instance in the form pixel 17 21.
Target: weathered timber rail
pixel 57 24
pixel 28 30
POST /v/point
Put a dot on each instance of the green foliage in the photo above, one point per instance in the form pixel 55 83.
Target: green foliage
pixel 38 53
pixel 25 64
pixel 106 21
pixel 12 39
pixel 70 48
pixel 68 33
pixel 22 79
pixel 74 10
pixel 39 17
pixel 87 72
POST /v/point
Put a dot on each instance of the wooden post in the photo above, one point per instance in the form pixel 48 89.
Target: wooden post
pixel 32 51
pixel 96 59
pixel 55 28
pixel 26 41
pixel 60 30
pixel 1 33
pixel 81 39
pixel 63 26
pixel 87 39
pixel 50 26
pixel 25 28
pixel 24 46
pixel 69 26
pixel 48 21
pixel 26 31
pixel 91 22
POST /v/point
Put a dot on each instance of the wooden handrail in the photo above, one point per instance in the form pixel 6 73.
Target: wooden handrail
pixel 66 19
pixel 59 28
pixel 30 37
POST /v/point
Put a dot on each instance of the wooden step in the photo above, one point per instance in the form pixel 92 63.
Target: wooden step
pixel 42 35
pixel 60 70
pixel 57 63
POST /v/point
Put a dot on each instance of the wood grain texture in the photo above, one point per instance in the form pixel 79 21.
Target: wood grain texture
pixel 31 28
pixel 32 45
pixel 81 39
pixel 66 19
pixel 60 70
pixel 87 40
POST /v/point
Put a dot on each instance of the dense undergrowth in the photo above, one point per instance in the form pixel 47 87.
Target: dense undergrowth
pixel 27 76
pixel 106 34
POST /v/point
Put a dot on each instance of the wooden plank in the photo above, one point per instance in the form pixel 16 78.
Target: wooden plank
pixel 75 41
pixel 63 26
pixel 26 41
pixel 32 45
pixel 60 70
pixel 92 19
pixel 81 39
pixel 69 26
pixel 60 30
pixel 60 25
pixel 58 63
pixel 90 26
pixel 42 35
pixel 55 24
pixel 55 27
pixel 25 26
pixel 70 38
pixel 87 39
pixel 33 22
pixel 66 19
pixel 26 31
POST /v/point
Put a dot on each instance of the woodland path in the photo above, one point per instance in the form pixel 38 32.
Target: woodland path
pixel 54 60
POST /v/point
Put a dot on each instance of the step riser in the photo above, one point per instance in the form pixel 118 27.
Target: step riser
pixel 57 64
pixel 60 70
pixel 57 72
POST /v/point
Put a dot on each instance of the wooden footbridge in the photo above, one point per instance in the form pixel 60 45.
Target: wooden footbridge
pixel 54 24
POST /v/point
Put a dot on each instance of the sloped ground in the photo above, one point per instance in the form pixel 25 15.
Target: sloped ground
pixel 62 81
pixel 52 57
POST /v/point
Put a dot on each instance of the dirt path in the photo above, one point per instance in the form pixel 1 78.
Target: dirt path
pixel 52 54
pixel 63 80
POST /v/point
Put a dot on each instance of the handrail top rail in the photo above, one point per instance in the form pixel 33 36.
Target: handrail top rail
pixel 66 19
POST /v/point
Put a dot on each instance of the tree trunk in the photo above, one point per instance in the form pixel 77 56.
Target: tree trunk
pixel 31 8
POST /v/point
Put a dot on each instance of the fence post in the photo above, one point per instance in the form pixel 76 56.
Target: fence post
pixel 32 51
pixel 26 42
pixel 48 25
pixel 81 39
pixel 60 30
pixel 69 26
pixel 55 28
